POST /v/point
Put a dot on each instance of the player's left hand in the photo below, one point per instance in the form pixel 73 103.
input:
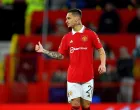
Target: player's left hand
pixel 102 69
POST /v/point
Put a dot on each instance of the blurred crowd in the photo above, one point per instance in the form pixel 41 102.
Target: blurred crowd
pixel 20 11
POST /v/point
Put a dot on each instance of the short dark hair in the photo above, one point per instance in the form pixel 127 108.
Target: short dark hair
pixel 75 11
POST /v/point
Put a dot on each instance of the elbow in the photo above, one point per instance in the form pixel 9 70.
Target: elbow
pixel 61 57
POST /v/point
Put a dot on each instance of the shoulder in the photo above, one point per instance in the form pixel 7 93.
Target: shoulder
pixel 66 36
pixel 91 32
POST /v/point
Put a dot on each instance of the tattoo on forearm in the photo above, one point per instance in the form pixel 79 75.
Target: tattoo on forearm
pixel 53 54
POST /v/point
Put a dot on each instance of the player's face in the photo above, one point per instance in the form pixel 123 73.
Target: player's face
pixel 71 20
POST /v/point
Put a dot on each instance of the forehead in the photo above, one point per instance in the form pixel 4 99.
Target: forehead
pixel 69 15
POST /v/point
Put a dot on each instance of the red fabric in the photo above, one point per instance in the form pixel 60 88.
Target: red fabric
pixel 85 108
pixel 80 48
pixel 75 108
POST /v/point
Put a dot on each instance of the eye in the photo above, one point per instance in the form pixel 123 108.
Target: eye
pixel 68 18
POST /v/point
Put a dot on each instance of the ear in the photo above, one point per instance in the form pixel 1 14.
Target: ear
pixel 76 19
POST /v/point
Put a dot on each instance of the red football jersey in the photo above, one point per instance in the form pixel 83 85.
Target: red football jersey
pixel 79 46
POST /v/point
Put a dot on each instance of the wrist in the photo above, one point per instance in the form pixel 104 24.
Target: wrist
pixel 45 51
pixel 103 64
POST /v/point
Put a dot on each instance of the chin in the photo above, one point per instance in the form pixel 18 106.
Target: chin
pixel 70 26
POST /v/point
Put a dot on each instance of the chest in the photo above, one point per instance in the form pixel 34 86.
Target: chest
pixel 79 40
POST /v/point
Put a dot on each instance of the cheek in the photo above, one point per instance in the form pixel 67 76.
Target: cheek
pixel 71 22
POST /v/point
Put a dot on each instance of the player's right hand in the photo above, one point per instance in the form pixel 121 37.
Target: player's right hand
pixel 39 47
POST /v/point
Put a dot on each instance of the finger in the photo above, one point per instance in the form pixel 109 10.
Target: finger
pixel 39 43
pixel 102 70
pixel 36 47
pixel 99 70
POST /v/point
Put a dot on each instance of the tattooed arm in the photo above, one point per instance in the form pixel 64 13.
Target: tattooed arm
pixel 52 54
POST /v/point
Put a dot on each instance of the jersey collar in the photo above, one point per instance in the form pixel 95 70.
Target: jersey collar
pixel 81 31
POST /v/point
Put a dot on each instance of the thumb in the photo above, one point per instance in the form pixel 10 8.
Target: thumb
pixel 39 44
pixel 99 68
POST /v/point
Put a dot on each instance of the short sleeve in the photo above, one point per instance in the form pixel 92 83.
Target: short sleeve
pixel 96 41
pixel 63 47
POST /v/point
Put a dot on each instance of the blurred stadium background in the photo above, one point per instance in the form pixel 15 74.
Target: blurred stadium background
pixel 33 81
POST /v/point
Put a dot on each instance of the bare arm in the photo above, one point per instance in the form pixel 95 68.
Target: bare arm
pixel 102 67
pixel 102 56
pixel 52 54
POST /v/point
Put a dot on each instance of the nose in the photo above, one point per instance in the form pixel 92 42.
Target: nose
pixel 66 21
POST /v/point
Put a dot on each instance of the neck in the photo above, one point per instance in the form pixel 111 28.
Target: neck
pixel 77 27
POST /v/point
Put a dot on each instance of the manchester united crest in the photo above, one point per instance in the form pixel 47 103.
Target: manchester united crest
pixel 84 38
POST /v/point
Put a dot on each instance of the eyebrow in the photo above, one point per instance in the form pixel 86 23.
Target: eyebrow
pixel 68 17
